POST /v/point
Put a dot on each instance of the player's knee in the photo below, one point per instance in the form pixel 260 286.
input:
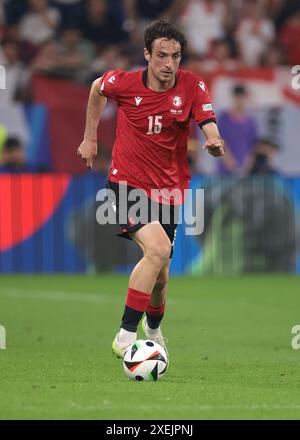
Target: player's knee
pixel 159 252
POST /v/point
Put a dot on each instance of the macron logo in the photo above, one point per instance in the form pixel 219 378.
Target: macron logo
pixel 201 85
pixel 138 100
pixel 112 79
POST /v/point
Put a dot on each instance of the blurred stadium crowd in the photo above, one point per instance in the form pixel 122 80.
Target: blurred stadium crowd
pixel 79 40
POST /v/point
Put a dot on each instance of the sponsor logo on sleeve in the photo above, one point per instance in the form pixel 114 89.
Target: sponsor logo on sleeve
pixel 206 107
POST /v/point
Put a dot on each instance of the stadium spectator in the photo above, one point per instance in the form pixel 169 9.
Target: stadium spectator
pixel 290 38
pixel 99 26
pixel 254 33
pixel 70 10
pixel 134 56
pixel 27 50
pixel 13 159
pixel 139 13
pixel 17 76
pixel 148 10
pixel 274 56
pixel 110 58
pixel 220 58
pixel 47 61
pixel 239 131
pixel 285 10
pixel 260 162
pixel 75 54
pixel 203 22
pixel 14 10
pixel 70 56
pixel 40 23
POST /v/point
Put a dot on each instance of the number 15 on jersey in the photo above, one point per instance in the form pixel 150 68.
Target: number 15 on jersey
pixel 154 124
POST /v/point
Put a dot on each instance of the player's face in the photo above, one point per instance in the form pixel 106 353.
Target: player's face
pixel 164 59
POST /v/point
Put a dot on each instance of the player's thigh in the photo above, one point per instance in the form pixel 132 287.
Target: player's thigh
pixel 153 240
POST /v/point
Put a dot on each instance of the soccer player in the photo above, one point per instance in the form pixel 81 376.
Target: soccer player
pixel 150 152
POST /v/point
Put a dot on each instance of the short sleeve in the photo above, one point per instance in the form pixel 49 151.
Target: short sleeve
pixel 110 83
pixel 202 111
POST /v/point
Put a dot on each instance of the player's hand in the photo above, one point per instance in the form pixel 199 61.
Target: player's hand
pixel 88 152
pixel 215 147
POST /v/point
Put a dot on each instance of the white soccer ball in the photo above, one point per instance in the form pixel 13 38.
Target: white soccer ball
pixel 145 360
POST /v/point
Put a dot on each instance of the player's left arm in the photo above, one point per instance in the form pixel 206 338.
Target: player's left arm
pixel 214 143
pixel 202 112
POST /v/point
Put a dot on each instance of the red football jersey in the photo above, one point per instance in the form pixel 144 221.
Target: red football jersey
pixel 150 149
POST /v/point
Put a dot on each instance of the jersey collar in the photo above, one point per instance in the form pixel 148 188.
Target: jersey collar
pixel 144 78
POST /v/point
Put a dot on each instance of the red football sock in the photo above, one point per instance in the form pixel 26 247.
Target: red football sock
pixel 154 315
pixel 136 305
pixel 156 310
pixel 137 300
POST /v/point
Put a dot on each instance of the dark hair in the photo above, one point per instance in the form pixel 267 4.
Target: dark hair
pixel 12 143
pixel 71 26
pixel 239 90
pixel 163 29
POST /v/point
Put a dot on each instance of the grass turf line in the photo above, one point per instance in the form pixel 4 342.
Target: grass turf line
pixel 229 343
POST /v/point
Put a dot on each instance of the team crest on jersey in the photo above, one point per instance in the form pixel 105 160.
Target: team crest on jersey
pixel 177 101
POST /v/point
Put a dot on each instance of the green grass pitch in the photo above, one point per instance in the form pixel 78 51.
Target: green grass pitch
pixel 229 342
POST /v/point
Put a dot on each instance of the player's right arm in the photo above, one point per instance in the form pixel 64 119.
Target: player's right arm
pixel 96 103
